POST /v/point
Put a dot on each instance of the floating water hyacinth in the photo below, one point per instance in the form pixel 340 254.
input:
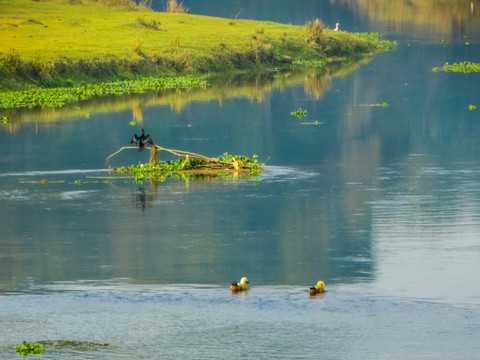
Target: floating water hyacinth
pixel 465 67
pixel 299 113
pixel 471 107
pixel 56 97
pixel 29 348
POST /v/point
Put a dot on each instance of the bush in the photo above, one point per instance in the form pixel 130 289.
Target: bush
pixel 150 24
pixel 174 7
pixel 314 30
pixel 137 46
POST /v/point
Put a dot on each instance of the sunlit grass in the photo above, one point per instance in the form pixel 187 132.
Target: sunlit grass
pixel 69 42
pixel 90 29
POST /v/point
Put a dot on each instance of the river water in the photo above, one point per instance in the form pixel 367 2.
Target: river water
pixel 380 202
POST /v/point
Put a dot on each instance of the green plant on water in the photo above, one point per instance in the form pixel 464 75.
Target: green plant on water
pixel 384 104
pixel 299 113
pixel 471 107
pixel 224 163
pixel 4 120
pixel 78 182
pixel 57 97
pixel 29 348
pixel 132 123
pixel 465 67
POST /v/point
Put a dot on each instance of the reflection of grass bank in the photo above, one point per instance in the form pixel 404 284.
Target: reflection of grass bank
pixel 52 43
pixel 252 86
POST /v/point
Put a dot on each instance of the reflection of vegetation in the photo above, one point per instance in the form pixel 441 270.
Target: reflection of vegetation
pixel 465 67
pixel 441 13
pixel 29 348
pixel 253 86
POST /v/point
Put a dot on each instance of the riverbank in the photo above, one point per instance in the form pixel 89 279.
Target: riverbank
pixel 65 44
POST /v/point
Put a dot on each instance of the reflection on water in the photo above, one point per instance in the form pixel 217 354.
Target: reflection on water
pixel 454 17
pixel 253 87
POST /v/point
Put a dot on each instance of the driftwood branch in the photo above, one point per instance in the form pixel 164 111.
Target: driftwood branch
pixel 179 153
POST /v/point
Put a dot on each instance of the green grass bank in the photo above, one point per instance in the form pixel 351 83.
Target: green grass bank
pixel 69 43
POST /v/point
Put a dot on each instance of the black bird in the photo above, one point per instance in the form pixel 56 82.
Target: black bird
pixel 141 140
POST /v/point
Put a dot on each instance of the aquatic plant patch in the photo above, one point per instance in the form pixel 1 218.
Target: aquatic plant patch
pixel 299 113
pixel 224 163
pixel 56 97
pixel 465 67
pixel 191 163
pixel 26 348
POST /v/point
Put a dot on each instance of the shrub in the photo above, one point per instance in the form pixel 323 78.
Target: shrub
pixel 137 45
pixel 12 61
pixel 43 67
pixel 151 24
pixel 314 30
pixel 262 53
pixel 178 42
pixel 174 7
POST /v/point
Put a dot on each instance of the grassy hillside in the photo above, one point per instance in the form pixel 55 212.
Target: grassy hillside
pixel 67 42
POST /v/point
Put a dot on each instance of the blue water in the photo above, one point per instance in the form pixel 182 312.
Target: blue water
pixel 382 203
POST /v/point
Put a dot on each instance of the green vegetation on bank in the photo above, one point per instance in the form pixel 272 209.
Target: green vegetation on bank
pixel 52 51
pixel 465 67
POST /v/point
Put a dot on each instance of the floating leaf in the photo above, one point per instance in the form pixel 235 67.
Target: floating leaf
pixel 471 107
pixel 132 123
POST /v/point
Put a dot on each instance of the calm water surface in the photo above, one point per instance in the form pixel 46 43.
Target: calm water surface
pixel 382 203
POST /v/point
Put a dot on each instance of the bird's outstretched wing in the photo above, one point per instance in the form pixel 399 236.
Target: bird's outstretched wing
pixel 135 140
pixel 148 140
